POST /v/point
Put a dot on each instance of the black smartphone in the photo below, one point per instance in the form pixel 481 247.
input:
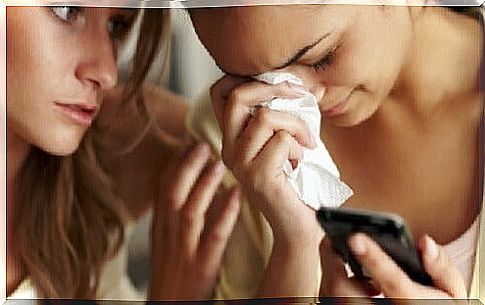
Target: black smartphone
pixel 388 230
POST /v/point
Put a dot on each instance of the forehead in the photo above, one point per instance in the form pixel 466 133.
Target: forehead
pixel 251 40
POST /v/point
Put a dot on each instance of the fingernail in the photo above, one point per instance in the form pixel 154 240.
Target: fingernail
pixel 298 89
pixel 431 248
pixel 357 244
pixel 219 166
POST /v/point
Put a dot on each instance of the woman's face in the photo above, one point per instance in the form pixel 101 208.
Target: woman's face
pixel 59 60
pixel 356 52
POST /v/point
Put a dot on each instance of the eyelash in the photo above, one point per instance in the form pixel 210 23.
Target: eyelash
pixel 326 61
pixel 119 29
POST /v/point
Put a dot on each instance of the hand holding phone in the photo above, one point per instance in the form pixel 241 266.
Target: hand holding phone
pixel 388 230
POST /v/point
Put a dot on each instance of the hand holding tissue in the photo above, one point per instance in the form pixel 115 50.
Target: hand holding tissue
pixel 316 178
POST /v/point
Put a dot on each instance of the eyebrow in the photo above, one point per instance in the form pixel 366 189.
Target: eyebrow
pixel 299 54
pixel 302 52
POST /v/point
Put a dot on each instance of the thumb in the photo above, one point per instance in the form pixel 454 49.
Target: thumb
pixel 440 267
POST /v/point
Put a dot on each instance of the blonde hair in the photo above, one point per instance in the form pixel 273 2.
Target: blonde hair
pixel 68 217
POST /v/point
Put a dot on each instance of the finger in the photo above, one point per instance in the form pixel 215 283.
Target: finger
pixel 335 281
pixel 205 189
pixel 264 125
pixel 279 149
pixel 193 212
pixel 172 194
pixel 261 129
pixel 246 96
pixel 442 270
pixel 238 108
pixel 186 174
pixel 215 239
pixel 381 268
pixel 219 93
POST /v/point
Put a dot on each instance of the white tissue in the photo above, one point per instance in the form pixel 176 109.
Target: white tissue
pixel 316 178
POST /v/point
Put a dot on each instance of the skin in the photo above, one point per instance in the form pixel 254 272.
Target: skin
pixel 406 94
pixel 72 58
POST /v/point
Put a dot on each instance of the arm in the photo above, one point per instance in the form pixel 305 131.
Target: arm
pixel 255 148
pixel 292 270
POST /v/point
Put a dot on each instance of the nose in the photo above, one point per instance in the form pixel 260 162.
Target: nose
pixel 97 66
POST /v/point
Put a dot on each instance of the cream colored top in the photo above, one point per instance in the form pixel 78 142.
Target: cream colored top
pixel 249 248
pixel 114 283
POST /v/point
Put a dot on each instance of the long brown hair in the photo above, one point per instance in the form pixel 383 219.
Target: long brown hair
pixel 68 217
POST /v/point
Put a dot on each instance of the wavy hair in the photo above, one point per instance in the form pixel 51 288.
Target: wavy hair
pixel 69 218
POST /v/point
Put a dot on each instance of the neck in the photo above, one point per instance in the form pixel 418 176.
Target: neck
pixel 17 152
pixel 444 63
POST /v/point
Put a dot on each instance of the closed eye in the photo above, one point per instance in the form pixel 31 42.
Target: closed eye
pixel 326 60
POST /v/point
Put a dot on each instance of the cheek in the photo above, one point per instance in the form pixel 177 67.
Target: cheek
pixel 37 76
pixel 372 61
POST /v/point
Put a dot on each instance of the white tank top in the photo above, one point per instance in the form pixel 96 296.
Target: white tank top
pixel 462 251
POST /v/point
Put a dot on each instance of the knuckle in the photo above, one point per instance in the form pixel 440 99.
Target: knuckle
pixel 215 89
pixel 218 236
pixel 283 137
pixel 236 95
pixel 263 116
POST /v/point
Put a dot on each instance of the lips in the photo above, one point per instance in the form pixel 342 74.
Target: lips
pixel 81 113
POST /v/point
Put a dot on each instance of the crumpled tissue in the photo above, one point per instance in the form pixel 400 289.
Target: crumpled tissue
pixel 316 178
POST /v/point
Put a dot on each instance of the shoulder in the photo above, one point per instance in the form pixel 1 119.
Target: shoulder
pixel 134 149
pixel 165 110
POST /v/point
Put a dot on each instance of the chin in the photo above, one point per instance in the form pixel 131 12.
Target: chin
pixel 60 145
pixel 60 150
pixel 347 120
